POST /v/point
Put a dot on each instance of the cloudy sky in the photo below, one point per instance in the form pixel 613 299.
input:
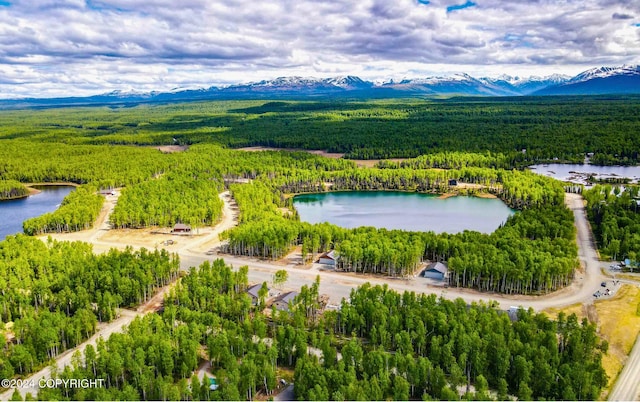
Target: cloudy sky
pixel 80 47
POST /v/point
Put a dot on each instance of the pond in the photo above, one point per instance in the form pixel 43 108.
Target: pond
pixel 14 212
pixel 402 210
pixel 578 173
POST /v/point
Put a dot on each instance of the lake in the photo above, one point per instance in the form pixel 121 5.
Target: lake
pixel 400 210
pixel 578 173
pixel 14 212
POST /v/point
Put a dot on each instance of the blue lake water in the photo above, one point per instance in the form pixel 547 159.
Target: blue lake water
pixel 14 212
pixel 400 210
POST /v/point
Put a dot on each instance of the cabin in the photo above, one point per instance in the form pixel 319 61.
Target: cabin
pixel 513 313
pixel 453 182
pixel 328 258
pixel 181 228
pixel 282 302
pixel 436 270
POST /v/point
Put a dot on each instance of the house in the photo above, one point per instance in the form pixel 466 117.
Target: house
pixel 254 293
pixel 328 258
pixel 453 182
pixel 282 302
pixel 181 228
pixel 436 270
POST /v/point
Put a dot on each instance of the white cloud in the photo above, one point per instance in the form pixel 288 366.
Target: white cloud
pixel 78 47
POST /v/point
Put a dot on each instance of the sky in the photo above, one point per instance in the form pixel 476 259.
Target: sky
pixel 84 47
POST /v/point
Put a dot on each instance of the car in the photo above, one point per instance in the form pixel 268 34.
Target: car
pixel 603 284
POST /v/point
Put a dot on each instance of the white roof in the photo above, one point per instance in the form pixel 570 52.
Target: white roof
pixel 438 266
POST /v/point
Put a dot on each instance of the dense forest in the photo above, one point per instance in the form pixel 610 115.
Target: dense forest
pixel 379 345
pixel 169 200
pixel 552 127
pixel 613 212
pixel 103 166
pixel 10 189
pixel 54 293
pixel 78 211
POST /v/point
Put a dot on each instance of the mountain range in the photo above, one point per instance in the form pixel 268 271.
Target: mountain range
pixel 601 80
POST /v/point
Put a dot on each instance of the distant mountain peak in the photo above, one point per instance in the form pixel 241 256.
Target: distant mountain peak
pixel 600 80
pixel 604 72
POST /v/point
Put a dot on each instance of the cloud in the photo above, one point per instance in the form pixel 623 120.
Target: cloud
pixel 100 45
pixel 620 16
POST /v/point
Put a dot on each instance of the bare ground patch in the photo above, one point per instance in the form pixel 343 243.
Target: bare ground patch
pixel 332 155
pixel 169 149
pixel 372 162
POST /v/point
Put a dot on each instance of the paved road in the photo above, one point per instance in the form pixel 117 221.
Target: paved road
pixel 287 394
pixel 627 386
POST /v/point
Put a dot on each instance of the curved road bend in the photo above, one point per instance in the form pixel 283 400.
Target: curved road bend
pixel 339 285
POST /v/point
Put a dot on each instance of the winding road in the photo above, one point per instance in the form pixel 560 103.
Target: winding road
pixel 339 285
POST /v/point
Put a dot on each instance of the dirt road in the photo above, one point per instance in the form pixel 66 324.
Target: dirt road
pixel 64 359
pixel 339 285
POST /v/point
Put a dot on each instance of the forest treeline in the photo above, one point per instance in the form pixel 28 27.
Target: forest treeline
pixel 614 217
pixel 78 211
pixel 454 160
pixel 553 127
pixel 10 189
pixel 379 345
pixel 55 293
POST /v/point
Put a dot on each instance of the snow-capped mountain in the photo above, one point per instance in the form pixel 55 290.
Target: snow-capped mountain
pixel 465 84
pixel 462 84
pixel 302 85
pixel 526 85
pixel 601 80
pixel 349 82
pixel 606 72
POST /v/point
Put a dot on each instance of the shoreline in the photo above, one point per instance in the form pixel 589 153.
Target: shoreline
pixel 34 191
pixel 440 196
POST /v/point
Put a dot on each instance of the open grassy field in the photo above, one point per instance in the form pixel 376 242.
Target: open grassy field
pixel 618 323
